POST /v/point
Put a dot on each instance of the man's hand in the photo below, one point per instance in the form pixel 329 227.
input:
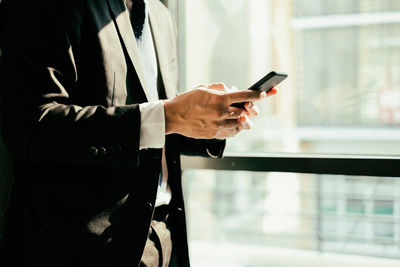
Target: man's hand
pixel 206 111
pixel 244 122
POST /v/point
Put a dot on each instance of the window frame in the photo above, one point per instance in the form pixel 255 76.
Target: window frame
pixel 336 164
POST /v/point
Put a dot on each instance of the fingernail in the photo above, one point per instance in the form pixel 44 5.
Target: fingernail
pixel 247 124
pixel 263 94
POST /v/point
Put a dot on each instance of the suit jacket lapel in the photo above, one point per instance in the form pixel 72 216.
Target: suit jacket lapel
pixel 165 46
pixel 123 23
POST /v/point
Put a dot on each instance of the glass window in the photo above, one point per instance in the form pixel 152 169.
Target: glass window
pixel 355 206
pixel 342 96
pixel 238 218
pixel 384 207
pixel 343 90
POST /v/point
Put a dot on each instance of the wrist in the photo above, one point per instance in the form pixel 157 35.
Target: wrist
pixel 170 117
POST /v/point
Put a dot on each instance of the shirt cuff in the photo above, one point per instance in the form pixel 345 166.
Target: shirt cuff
pixel 152 128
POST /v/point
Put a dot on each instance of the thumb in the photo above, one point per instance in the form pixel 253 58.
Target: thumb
pixel 244 96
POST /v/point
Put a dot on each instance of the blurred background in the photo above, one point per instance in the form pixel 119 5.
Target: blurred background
pixel 342 97
pixel 342 57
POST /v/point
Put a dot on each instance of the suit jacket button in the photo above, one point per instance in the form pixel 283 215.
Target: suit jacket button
pixel 102 151
pixel 93 151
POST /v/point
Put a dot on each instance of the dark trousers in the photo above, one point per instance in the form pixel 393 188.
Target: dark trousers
pixel 158 251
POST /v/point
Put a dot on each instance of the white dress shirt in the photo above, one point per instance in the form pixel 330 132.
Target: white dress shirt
pixel 152 130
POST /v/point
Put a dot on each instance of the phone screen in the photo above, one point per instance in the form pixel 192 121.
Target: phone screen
pixel 268 82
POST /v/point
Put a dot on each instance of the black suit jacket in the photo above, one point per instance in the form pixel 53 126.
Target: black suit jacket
pixel 83 192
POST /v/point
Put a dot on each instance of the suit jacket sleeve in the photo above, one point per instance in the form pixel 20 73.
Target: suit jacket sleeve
pixel 202 147
pixel 39 119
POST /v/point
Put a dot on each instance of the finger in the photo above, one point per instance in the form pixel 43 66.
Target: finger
pixel 245 123
pixel 252 109
pixel 233 132
pixel 249 105
pixel 235 113
pixel 229 124
pixel 217 86
pixel 244 96
pixel 202 86
pixel 272 92
pixel 240 128
pixel 233 88
pixel 223 134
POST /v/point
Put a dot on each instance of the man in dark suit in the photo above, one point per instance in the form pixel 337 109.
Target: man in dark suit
pixel 89 136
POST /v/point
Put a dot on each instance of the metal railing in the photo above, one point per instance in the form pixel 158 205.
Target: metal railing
pixel 368 165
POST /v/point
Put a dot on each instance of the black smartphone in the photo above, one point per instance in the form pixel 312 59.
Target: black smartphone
pixel 268 82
